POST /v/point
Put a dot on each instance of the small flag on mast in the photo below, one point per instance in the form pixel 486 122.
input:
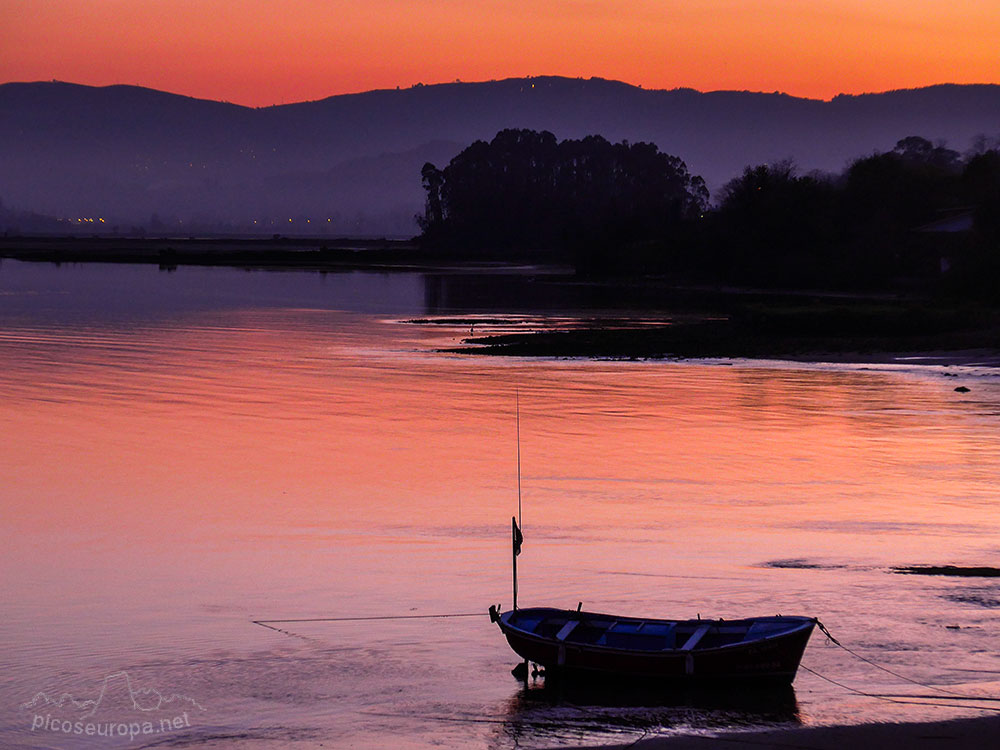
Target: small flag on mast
pixel 518 537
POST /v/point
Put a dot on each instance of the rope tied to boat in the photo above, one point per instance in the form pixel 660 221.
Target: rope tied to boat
pixel 827 633
pixel 372 617
pixel 912 700
pixel 866 660
pixel 270 624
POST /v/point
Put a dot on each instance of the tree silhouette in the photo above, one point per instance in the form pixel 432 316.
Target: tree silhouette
pixel 917 150
pixel 524 190
pixel 629 208
pixel 776 227
pixel 433 217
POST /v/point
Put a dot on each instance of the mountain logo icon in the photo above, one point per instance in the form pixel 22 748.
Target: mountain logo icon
pixel 118 695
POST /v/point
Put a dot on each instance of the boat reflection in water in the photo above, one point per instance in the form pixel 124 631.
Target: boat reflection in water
pixel 548 710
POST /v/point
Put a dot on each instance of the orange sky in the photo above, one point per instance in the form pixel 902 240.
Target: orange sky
pixel 260 52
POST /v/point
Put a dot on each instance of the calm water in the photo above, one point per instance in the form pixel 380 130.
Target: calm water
pixel 186 452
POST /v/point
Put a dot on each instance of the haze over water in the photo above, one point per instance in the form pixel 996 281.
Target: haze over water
pixel 184 453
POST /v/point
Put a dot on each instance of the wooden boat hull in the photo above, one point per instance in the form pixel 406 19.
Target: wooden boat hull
pixel 771 658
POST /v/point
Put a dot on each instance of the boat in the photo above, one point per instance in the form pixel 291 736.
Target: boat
pixel 577 643
pixel 573 642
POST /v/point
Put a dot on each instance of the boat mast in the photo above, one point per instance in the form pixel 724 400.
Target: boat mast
pixel 513 532
pixel 517 421
pixel 516 523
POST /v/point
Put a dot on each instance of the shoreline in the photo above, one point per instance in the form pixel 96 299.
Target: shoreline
pixel 982 358
pixel 306 253
pixel 859 332
pixel 926 352
pixel 953 734
pixel 694 323
pixel 170 252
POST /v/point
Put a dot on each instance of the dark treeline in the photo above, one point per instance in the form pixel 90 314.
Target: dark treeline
pixel 919 215
pixel 525 191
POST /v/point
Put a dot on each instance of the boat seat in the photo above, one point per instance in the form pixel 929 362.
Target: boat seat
pixel 696 636
pixel 566 630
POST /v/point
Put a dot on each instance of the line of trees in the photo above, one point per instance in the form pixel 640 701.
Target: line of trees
pixel 870 226
pixel 628 208
pixel 525 190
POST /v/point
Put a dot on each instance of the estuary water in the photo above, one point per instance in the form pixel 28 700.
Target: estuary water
pixel 184 453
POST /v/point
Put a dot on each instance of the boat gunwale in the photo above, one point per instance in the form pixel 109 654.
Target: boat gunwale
pixel 800 623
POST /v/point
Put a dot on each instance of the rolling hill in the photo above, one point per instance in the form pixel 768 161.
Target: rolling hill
pixel 350 164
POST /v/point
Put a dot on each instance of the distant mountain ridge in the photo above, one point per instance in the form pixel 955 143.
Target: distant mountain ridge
pixel 351 163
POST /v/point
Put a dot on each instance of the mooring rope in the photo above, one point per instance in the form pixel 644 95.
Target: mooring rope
pixel 269 624
pixel 865 659
pixel 375 617
pixel 896 699
pixel 948 694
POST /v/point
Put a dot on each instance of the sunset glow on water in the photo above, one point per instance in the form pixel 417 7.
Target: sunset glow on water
pixel 185 453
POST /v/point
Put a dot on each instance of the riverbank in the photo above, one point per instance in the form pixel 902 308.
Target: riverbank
pixel 277 252
pixel 959 734
pixel 271 253
pixel 644 317
pixel 854 331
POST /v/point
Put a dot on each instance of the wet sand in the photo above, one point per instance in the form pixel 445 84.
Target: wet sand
pixel 960 734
